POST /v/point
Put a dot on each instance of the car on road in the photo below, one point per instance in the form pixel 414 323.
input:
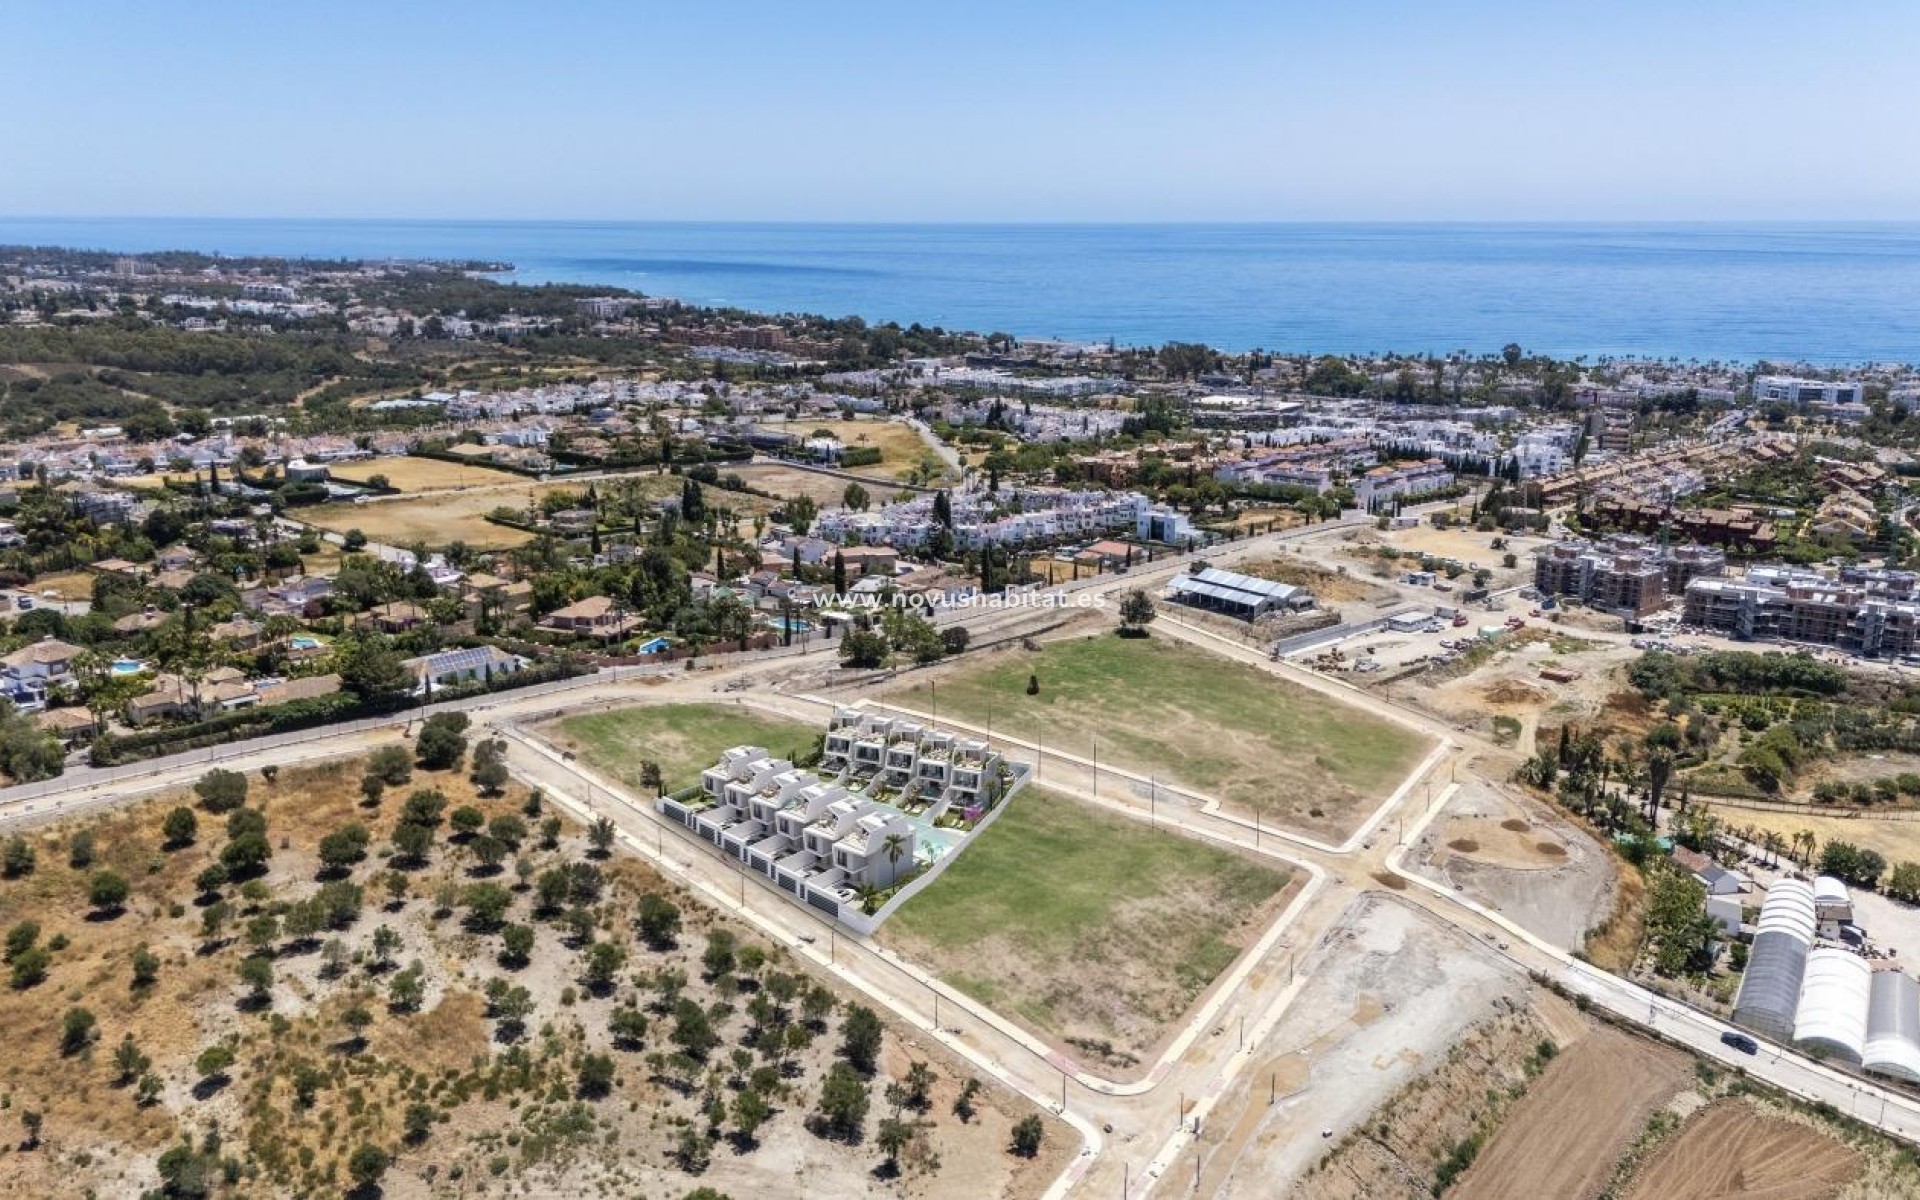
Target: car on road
pixel 1740 1042
pixel 23 602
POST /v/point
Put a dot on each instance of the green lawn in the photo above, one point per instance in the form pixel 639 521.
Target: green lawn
pixel 684 739
pixel 1161 707
pixel 1088 926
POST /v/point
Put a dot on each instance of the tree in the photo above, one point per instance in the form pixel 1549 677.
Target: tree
pixel 128 1061
pixel 146 967
pixel 256 971
pixel 486 905
pixel 628 1026
pixel 357 1020
pixel 442 743
pixel 600 836
pixel 371 669
pixel 659 922
pixel 345 846
pixel 596 1075
pixel 21 938
pixel 180 828
pixel 466 820
pixel 860 1034
pixel 30 967
pixel 214 1062
pixel 221 790
pixel 246 854
pixel 604 960
pixel 843 1103
pixel 18 859
pixel 80 850
pixel 412 843
pixel 385 942
pixel 76 1031
pixel 750 1112
pixel 408 988
pixel 392 765
pixel 717 960
pixel 367 1164
pixel 107 891
pixel 418 1122
pixel 490 775
pixel 1136 613
pixel 863 649
pixel 1027 1135
pixel 892 1137
pixel 31 1121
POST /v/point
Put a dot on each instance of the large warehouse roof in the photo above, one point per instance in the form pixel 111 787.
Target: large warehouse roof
pixel 1234 588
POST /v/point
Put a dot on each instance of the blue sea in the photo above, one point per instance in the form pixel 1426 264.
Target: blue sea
pixel 1829 293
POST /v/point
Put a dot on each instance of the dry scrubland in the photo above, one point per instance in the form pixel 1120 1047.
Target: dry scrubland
pixel 474 1087
pixel 1158 707
pixel 1093 929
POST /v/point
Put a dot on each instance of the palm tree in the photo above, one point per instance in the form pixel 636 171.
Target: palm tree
pixel 895 844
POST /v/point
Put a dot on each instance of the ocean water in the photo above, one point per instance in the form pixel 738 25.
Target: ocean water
pixel 1828 293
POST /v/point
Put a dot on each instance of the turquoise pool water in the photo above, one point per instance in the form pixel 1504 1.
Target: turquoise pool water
pixel 127 666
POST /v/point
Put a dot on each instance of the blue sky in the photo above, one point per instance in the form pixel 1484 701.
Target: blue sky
pixel 1123 110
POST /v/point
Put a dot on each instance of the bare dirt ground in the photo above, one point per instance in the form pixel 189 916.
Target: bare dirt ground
pixel 1733 1149
pixel 1392 1156
pixel 1514 854
pixel 411 474
pixel 824 490
pixel 1362 1027
pixel 1509 684
pixel 1564 1138
pixel 1335 586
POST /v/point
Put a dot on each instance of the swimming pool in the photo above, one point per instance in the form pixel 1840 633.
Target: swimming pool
pixel 653 645
pixel 305 641
pixel 127 666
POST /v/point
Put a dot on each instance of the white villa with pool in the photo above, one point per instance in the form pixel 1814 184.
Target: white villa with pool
pixel 893 799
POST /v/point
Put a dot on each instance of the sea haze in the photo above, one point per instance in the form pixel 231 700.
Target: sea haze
pixel 1823 293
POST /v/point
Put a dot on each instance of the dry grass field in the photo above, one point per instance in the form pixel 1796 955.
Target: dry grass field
pixel 1094 930
pixel 1195 720
pixel 900 447
pixel 411 474
pixel 824 490
pixel 332 1057
pixel 435 520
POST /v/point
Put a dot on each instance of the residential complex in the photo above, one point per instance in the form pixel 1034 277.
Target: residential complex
pixel 892 798
pixel 1623 574
pixel 1869 612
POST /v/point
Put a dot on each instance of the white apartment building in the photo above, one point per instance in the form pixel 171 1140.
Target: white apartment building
pixel 1790 389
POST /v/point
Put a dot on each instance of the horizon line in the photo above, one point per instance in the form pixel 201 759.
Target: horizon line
pixel 909 223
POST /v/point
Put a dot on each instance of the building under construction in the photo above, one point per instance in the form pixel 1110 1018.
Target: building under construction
pixel 1867 612
pixel 1623 574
